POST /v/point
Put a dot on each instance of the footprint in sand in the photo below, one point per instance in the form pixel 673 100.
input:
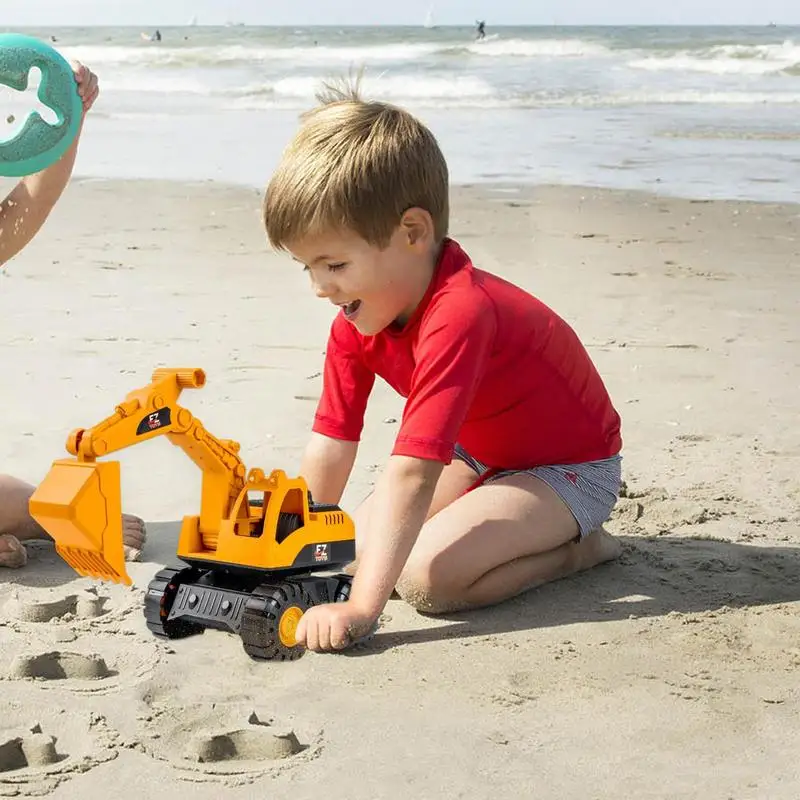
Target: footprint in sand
pixel 216 741
pixel 522 688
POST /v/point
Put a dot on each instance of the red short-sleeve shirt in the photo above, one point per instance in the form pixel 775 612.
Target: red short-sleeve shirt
pixel 482 363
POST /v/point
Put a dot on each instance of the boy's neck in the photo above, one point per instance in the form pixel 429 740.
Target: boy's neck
pixel 425 273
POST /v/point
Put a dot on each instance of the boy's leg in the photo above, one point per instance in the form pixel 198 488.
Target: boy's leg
pixel 16 524
pixel 495 542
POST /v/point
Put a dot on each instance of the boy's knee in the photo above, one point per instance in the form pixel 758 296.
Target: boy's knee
pixel 420 596
pixel 426 590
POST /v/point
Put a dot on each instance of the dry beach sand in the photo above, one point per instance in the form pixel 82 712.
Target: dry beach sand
pixel 672 673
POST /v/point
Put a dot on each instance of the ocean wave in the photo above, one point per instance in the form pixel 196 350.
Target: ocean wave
pixel 144 83
pixel 698 97
pixel 148 54
pixel 729 59
pixel 470 92
pixel 393 87
pixel 431 87
pixel 533 48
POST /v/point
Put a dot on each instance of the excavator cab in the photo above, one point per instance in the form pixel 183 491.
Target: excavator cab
pixel 79 505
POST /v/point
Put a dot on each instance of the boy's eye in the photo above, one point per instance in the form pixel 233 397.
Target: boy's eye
pixel 336 267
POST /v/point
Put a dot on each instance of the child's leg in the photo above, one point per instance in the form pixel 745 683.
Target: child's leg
pixel 14 516
pixel 16 524
pixel 495 542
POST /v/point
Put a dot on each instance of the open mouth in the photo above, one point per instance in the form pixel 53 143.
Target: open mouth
pixel 351 309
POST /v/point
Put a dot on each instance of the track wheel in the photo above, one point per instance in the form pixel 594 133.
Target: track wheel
pixel 270 620
pixel 158 602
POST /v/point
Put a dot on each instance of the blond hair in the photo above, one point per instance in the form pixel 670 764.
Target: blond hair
pixel 355 165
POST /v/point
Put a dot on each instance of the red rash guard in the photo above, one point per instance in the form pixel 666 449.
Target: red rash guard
pixel 482 363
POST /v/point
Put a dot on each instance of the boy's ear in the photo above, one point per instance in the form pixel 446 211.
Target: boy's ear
pixel 417 226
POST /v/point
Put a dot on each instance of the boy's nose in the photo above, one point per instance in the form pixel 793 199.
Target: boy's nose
pixel 321 289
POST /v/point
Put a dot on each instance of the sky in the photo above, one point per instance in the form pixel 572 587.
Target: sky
pixel 410 12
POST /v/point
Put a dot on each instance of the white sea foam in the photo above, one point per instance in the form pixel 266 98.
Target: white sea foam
pixel 538 48
pixel 146 53
pixel 733 59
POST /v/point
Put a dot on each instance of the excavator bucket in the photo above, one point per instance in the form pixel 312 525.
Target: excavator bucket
pixel 79 505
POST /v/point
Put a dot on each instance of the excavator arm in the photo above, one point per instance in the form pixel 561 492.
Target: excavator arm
pixel 79 501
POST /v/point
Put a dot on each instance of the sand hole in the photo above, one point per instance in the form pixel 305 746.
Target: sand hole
pixel 39 754
pixel 31 749
pixel 246 744
pixel 222 740
pixel 45 606
pixel 56 666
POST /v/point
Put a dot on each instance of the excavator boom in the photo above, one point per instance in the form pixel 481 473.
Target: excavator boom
pixel 79 501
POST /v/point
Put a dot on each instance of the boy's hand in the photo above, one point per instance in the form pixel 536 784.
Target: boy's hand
pixel 88 87
pixel 332 626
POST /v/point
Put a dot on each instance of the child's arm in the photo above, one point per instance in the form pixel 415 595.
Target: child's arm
pixel 28 205
pixel 398 510
pixel 326 467
pixel 399 506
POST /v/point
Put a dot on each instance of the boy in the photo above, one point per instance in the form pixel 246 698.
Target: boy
pixel 22 214
pixel 506 464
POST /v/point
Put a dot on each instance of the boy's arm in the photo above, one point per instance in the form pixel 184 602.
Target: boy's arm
pixel 326 467
pixel 399 507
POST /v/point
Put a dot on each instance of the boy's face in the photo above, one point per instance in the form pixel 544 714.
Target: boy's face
pixel 374 287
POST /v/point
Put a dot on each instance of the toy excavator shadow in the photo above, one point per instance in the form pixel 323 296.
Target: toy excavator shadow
pixel 653 577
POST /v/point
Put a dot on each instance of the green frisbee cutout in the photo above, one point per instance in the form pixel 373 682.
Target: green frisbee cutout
pixel 38 144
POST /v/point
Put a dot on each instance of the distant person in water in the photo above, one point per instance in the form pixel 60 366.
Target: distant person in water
pixel 157 35
pixel 480 30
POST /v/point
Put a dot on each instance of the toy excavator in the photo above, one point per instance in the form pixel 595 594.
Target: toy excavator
pixel 250 554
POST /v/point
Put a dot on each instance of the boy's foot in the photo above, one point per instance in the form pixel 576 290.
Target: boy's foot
pixel 595 548
pixel 12 552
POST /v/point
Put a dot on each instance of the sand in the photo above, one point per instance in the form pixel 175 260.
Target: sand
pixel 671 673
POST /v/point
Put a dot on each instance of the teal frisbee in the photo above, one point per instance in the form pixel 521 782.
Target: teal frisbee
pixel 38 144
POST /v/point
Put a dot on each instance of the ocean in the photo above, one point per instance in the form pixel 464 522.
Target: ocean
pixel 689 111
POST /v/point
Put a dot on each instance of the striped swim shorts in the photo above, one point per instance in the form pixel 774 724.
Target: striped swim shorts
pixel 589 490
